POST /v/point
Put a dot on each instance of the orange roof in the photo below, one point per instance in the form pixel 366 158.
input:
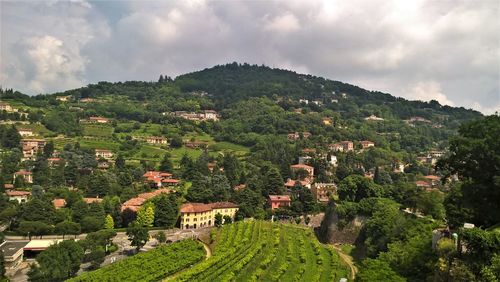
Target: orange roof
pixel 280 198
pixel 23 172
pixel 432 177
pixel 291 183
pixel 8 186
pixel 195 207
pixel 17 193
pixel 59 203
pixel 170 180
pixel 92 200
pixel 301 166
pixel 421 183
pixel 222 205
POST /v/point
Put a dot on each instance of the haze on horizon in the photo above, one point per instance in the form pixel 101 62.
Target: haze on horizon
pixel 448 51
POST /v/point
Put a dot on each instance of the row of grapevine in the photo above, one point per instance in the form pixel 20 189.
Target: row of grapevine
pixel 265 251
pixel 153 265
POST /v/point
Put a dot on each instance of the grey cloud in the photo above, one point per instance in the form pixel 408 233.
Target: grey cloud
pixel 445 50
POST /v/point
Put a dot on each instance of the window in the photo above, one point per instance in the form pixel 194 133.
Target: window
pixel 195 219
pixel 187 219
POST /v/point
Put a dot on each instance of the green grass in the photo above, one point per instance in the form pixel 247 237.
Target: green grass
pixel 97 130
pixel 38 129
pixel 265 251
pixel 231 147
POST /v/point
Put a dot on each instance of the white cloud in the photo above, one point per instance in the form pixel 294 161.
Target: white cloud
pixel 429 90
pixel 443 50
pixel 284 23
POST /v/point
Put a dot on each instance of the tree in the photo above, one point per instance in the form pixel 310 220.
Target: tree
pixel 38 210
pixel 2 266
pixel 166 210
pixel 474 157
pixel 146 215
pixel 274 182
pixel 138 235
pixel 58 262
pixel 67 227
pixel 109 222
pixel 161 237
pixel 227 219
pixel 120 162
pixel 356 187
pixel 91 224
pixel 166 164
pixel 218 220
pixel 377 270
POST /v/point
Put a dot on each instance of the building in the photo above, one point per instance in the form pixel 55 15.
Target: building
pixel 19 196
pixel 59 203
pixel 296 135
pixel 92 200
pixel 323 191
pixel 210 115
pixel 136 203
pixel 105 154
pixel 63 98
pixel 25 132
pixel 336 147
pixel 202 116
pixel 199 215
pixel 290 183
pixel 347 145
pixel 160 179
pixel 6 107
pixel 422 184
pixel 304 101
pixel 278 201
pixel 98 120
pixel 309 169
pixel 366 144
pixel 26 175
pixel 54 161
pixel 156 140
pixel 373 118
pixel 13 255
pixel 30 143
pixel 36 246
pixel 88 100
pixel 305 159
pixel 327 121
pixel 433 179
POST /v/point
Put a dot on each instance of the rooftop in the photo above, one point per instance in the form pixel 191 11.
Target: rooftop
pixel 280 198
pixel 11 248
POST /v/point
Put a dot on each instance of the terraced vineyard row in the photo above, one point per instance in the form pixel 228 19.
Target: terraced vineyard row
pixel 265 251
pixel 153 265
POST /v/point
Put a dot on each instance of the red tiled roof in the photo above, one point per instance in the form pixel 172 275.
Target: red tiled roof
pixel 279 198
pixel 301 166
pixel 432 177
pixel 291 183
pixel 59 203
pixel 8 186
pixel 222 205
pixel 17 193
pixel 422 183
pixel 195 207
pixel 23 172
pixel 170 181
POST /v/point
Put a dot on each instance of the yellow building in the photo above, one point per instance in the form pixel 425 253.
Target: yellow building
pixel 199 215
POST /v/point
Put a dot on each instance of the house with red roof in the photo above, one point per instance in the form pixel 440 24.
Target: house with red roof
pixel 278 201
pixel 159 179
pixel 136 203
pixel 25 174
pixel 366 144
pixel 199 215
pixel 20 196
pixel 59 203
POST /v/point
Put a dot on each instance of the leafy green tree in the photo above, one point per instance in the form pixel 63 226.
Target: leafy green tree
pixel 109 222
pixel 67 227
pixel 431 203
pixel 166 164
pixel 166 210
pixel 138 235
pixel 146 215
pixel 161 237
pixel 57 263
pixel 478 144
pixel 274 182
pixel 356 187
pixel 120 162
pixel 227 219
pixel 91 224
pixel 218 220
pixel 38 210
pixel 377 270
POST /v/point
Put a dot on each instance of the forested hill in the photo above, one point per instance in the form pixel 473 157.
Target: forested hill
pixel 255 101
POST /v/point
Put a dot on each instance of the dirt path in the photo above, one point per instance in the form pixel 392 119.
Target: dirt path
pixel 347 259
pixel 207 249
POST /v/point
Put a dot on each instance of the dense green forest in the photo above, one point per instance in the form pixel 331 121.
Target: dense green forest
pixel 232 133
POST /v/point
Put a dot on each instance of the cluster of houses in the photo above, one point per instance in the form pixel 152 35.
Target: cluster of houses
pixel 7 107
pixel 199 116
pixel 430 157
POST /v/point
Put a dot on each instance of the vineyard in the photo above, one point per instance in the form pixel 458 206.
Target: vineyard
pixel 263 251
pixel 153 265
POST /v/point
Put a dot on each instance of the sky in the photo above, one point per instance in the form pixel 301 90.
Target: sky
pixel 448 51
